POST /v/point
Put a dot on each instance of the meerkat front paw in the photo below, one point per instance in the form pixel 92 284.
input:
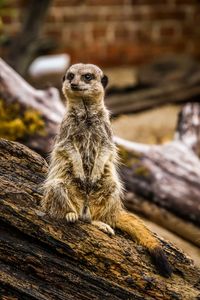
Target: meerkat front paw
pixel 103 227
pixel 71 217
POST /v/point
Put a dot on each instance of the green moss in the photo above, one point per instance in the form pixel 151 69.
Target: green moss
pixel 141 170
pixel 128 158
pixel 133 161
pixel 16 124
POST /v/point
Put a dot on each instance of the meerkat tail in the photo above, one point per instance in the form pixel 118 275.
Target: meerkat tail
pixel 137 230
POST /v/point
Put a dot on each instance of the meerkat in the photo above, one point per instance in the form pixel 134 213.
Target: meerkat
pixel 83 182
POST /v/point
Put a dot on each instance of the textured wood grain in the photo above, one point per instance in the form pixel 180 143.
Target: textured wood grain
pixel 45 259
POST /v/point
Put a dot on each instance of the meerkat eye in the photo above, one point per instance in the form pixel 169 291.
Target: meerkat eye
pixel 88 76
pixel 70 76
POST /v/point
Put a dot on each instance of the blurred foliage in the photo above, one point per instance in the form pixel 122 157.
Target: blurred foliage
pixel 17 125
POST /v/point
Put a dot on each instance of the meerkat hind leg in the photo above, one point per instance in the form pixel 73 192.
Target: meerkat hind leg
pixel 103 227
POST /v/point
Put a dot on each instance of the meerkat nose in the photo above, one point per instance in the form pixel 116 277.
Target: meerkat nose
pixel 74 86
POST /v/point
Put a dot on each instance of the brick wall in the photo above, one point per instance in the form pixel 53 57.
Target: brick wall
pixel 110 32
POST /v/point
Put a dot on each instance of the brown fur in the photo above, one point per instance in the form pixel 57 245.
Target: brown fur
pixel 83 182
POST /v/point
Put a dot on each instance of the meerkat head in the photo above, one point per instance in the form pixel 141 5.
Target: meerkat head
pixel 84 81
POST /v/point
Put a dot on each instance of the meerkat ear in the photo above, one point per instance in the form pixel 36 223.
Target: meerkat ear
pixel 104 81
pixel 63 79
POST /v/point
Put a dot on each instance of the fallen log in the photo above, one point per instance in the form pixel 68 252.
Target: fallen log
pixel 169 79
pixel 168 177
pixel 46 259
pixel 167 68
pixel 187 90
pixel 45 103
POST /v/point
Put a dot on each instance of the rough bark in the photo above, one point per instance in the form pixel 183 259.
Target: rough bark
pixel 168 177
pixel 13 88
pixel 45 259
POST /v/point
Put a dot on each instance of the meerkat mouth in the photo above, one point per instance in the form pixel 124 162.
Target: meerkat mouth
pixel 77 89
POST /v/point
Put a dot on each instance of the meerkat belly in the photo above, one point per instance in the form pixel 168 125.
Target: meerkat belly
pixel 89 138
pixel 88 149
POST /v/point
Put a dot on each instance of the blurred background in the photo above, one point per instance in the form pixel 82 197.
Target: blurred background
pixel 150 50
pixel 111 33
pixel 118 35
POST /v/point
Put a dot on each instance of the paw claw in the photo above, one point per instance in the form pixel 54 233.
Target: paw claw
pixel 71 217
pixel 104 227
pixel 109 230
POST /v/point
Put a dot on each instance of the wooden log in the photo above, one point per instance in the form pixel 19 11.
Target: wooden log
pixel 183 91
pixel 14 89
pixel 167 68
pixel 168 176
pixel 164 218
pixel 47 259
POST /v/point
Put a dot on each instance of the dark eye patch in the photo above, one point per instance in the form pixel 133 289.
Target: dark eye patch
pixel 70 76
pixel 88 76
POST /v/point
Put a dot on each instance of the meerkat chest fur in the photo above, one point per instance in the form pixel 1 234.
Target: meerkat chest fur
pixel 88 129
